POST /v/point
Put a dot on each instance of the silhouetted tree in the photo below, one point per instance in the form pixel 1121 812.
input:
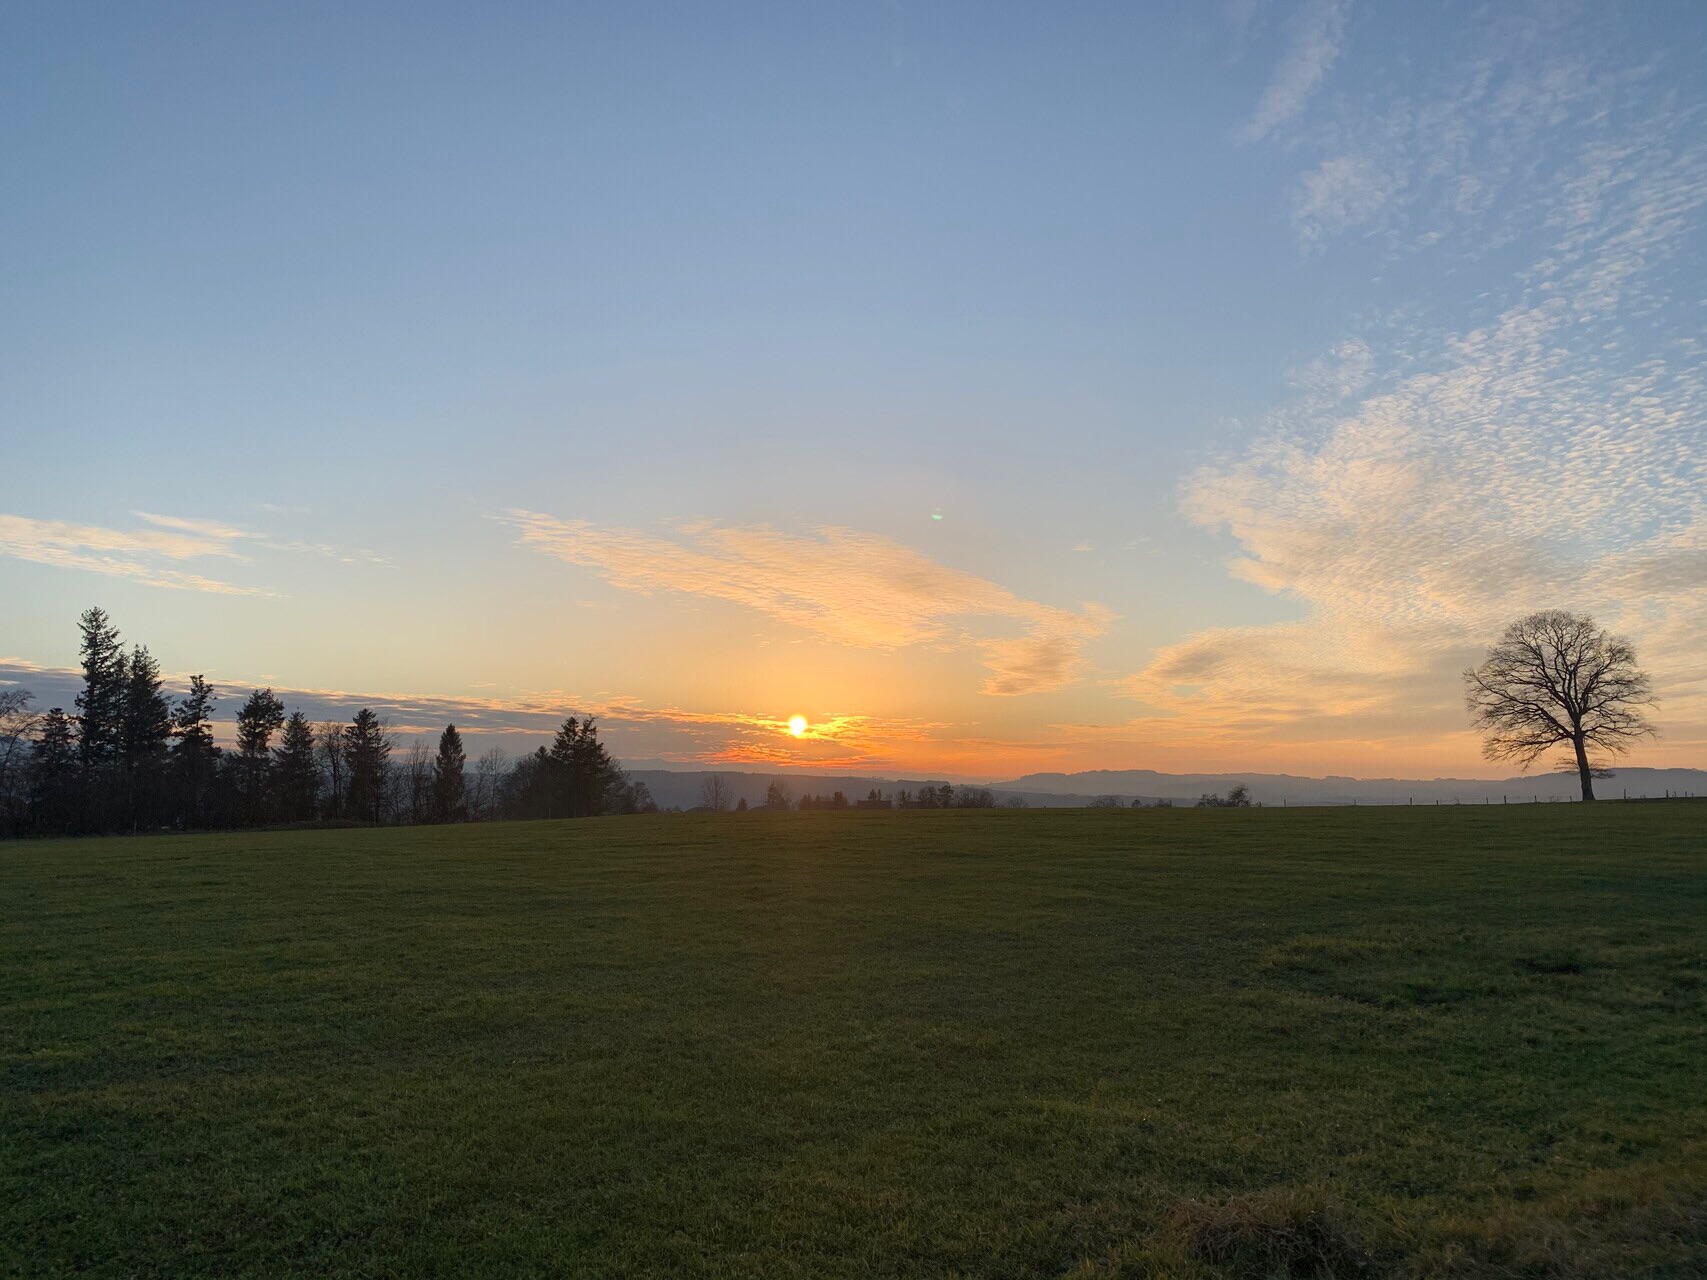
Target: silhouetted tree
pixel 100 706
pixel 525 791
pixel 17 724
pixel 55 769
pixel 131 757
pixel 194 757
pixel 577 777
pixel 1557 679
pixel 145 730
pixel 932 798
pixel 741 805
pixel 367 749
pixel 329 743
pixel 776 796
pixel 450 803
pixel 489 773
pixel 714 793
pixel 259 718
pixel 296 773
pixel 628 796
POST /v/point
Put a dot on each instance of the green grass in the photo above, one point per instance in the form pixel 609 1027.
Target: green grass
pixel 1430 1042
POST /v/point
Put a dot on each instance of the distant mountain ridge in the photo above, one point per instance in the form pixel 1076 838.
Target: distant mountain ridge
pixel 681 788
pixel 1276 788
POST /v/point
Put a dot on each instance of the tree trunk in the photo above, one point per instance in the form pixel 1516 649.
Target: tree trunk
pixel 1583 770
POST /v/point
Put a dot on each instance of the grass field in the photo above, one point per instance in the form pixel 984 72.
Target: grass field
pixel 1431 1042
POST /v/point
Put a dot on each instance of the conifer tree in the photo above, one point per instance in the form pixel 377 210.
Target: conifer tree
pixel 145 727
pixel 296 772
pixel 585 781
pixel 260 717
pixel 100 706
pixel 449 788
pixel 54 769
pixel 195 758
pixel 367 748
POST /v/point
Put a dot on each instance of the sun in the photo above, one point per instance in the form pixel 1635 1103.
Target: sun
pixel 797 726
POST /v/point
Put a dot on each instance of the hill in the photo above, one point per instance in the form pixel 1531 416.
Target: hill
pixel 681 788
pixel 1275 788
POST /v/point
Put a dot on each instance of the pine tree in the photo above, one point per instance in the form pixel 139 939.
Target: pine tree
pixel 296 774
pixel 449 788
pixel 54 768
pixel 584 780
pixel 145 727
pixel 101 704
pixel 258 720
pixel 367 748
pixel 195 758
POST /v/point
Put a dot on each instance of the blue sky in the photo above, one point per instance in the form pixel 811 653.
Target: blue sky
pixel 1255 361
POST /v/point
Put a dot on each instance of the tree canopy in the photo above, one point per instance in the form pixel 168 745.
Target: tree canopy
pixel 1556 679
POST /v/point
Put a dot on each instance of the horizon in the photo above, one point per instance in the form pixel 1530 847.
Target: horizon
pixel 62 685
pixel 1193 391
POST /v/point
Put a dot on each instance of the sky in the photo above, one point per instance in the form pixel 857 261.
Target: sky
pixel 1000 387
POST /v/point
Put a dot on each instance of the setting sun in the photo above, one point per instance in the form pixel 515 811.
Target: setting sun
pixel 797 726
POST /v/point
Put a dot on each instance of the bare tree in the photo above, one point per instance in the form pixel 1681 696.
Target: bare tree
pixel 17 723
pixel 329 742
pixel 489 772
pixel 1556 679
pixel 714 793
pixel 415 783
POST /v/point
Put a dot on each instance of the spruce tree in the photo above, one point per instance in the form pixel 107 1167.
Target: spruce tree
pixel 296 774
pixel 449 789
pixel 145 727
pixel 367 748
pixel 260 717
pixel 584 780
pixel 100 706
pixel 54 769
pixel 195 758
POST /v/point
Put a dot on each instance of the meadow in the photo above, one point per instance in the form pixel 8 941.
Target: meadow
pixel 1353 1042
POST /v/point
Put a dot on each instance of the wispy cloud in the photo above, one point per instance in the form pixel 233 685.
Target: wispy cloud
pixel 144 555
pixel 849 587
pixel 219 531
pixel 134 554
pixel 1314 36
pixel 211 529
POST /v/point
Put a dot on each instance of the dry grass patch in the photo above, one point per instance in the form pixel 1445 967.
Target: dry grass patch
pixel 1277 1232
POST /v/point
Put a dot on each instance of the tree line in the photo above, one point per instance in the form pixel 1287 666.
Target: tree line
pixel 131 758
pixel 716 794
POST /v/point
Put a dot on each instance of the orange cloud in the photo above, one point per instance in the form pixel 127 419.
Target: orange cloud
pixel 853 588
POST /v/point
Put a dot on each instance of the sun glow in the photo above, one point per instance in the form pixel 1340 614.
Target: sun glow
pixel 797 726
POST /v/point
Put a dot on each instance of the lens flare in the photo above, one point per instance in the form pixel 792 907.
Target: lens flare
pixel 797 726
